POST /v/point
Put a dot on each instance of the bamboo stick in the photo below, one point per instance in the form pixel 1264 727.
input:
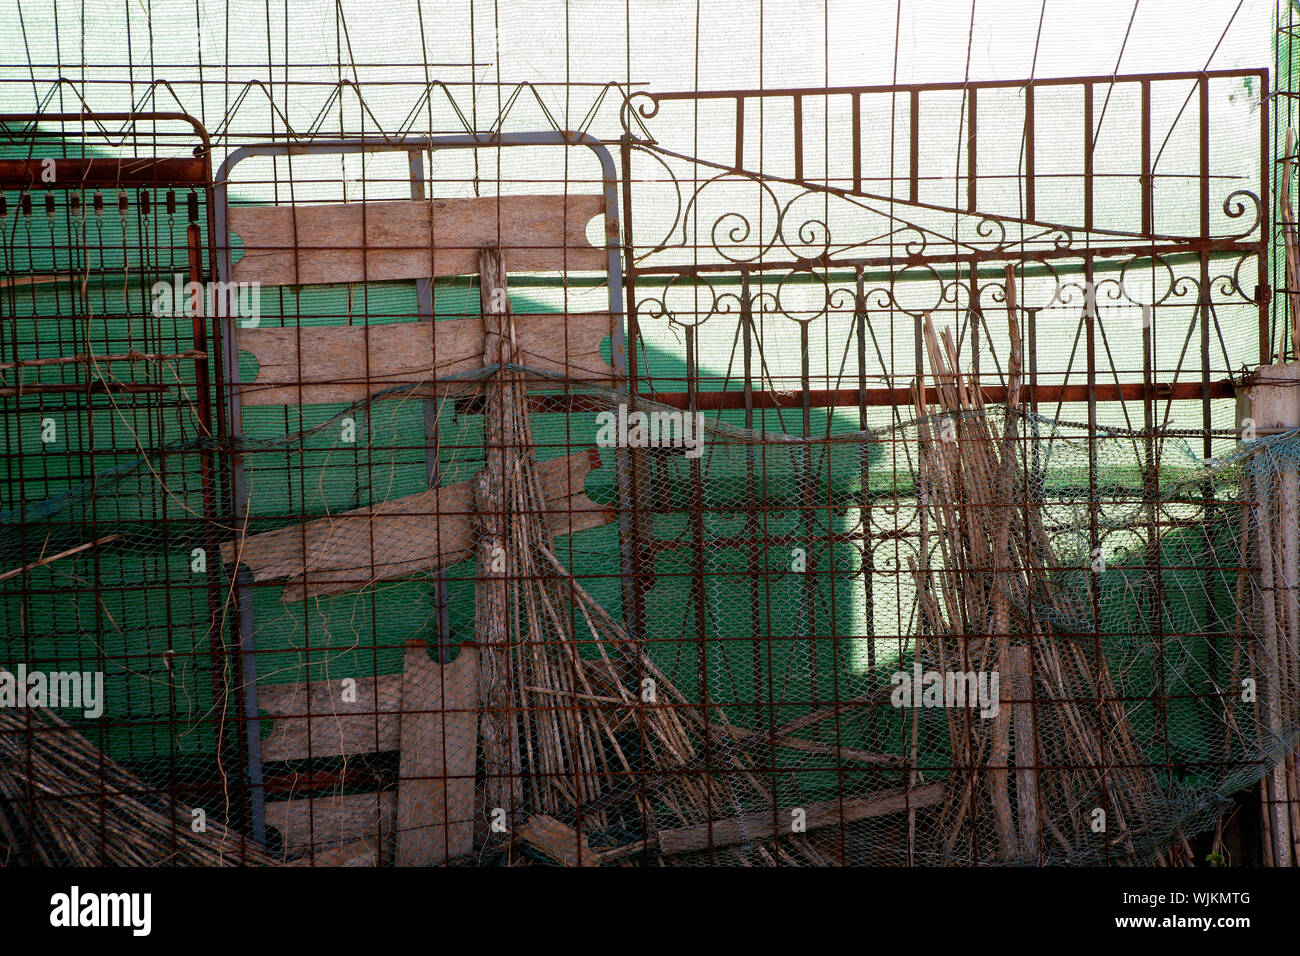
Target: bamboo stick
pixel 89 811
pixel 555 710
pixel 50 559
pixel 132 356
pixel 996 560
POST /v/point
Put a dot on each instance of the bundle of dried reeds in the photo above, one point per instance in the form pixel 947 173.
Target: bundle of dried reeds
pixel 63 802
pixel 983 604
pixel 568 728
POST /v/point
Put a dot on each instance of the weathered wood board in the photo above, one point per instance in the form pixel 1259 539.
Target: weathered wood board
pixel 430 713
pixel 324 822
pixel 413 238
pixel 435 796
pixel 558 841
pixel 1017 694
pixel 759 825
pixel 347 363
pixel 395 538
pixel 356 853
pixel 370 724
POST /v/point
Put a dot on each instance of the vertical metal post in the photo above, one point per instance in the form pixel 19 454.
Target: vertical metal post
pixel 239 516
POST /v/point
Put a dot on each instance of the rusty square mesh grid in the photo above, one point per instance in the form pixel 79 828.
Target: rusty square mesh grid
pixel 394 473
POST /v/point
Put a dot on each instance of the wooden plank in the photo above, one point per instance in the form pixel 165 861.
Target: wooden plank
pixel 356 853
pixel 324 822
pixel 369 724
pixel 413 239
pixel 558 841
pixel 1017 695
pixel 350 362
pixel 759 825
pixel 435 796
pixel 396 538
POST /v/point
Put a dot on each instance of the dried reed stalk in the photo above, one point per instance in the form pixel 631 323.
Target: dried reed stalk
pixel 50 559
pixel 63 802
pixel 995 565
pixel 132 356
pixel 561 681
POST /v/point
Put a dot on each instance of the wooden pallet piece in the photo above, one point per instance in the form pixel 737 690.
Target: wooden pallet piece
pixel 396 538
pixel 763 824
pixel 313 720
pixel 412 238
pixel 435 798
pixel 320 823
pixel 349 363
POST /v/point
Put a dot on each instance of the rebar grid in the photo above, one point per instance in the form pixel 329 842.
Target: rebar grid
pixel 830 308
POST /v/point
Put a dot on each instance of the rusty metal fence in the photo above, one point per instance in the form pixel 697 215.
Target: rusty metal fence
pixel 805 476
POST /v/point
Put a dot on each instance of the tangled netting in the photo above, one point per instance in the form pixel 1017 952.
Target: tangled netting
pixel 746 648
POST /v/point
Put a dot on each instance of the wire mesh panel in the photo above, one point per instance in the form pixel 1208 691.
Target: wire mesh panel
pixel 1062 546
pixel 780 494
pixel 114 601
